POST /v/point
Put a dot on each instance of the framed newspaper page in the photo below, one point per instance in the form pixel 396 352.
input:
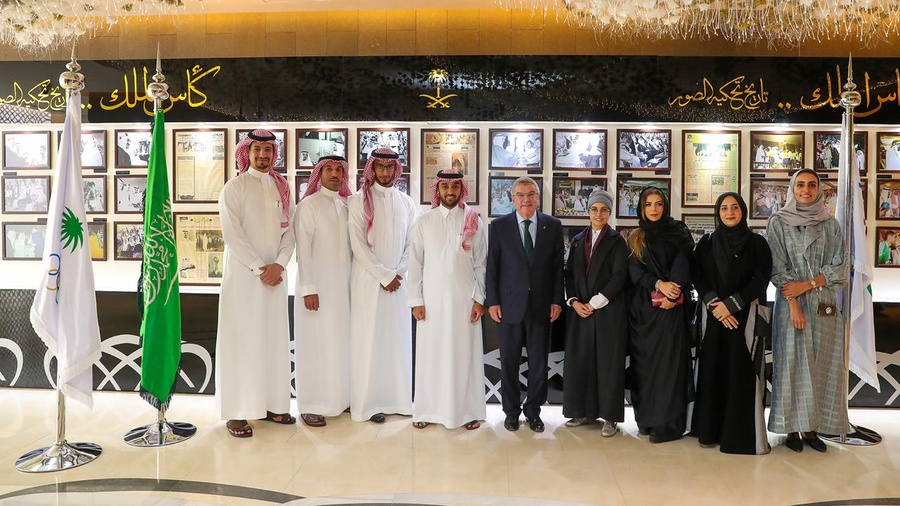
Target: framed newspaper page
pixel 199 165
pixel 201 248
pixel 449 149
pixel 711 166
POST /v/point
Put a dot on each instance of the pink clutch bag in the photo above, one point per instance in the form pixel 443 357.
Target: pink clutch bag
pixel 656 298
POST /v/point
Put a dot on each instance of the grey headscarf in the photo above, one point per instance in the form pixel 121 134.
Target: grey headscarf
pixel 601 196
pixel 799 215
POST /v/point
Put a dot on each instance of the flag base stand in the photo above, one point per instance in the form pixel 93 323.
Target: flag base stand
pixel 160 433
pixel 58 457
pixel 858 436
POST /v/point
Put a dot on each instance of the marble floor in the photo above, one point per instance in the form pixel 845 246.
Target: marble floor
pixel 363 463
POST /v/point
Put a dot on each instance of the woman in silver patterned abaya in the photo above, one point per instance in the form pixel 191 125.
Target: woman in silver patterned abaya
pixel 808 393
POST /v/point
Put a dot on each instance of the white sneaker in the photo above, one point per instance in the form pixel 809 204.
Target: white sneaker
pixel 578 422
pixel 609 429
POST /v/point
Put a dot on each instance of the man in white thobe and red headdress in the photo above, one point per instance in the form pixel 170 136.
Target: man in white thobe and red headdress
pixel 381 219
pixel 448 253
pixel 252 346
pixel 321 326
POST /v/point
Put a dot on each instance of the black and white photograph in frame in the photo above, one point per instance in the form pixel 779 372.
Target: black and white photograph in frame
pixel 767 196
pixel 402 183
pixel 301 182
pixel 315 143
pixel 570 195
pixel 370 139
pixel 888 200
pixel 279 163
pixel 517 149
pixel 500 192
pixel 699 224
pixel 628 193
pixel 93 148
pixel 827 151
pixel 759 230
pixel 888 145
pixel 24 241
pixel 782 151
pixel 26 194
pixel 644 149
pixel 887 247
pixel 130 194
pixel 97 240
pixel 26 150
pixel 94 188
pixel 132 148
pixel 583 149
pixel 129 240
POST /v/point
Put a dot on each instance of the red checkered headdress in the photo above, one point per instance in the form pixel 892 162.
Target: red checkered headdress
pixel 242 158
pixel 385 155
pixel 315 179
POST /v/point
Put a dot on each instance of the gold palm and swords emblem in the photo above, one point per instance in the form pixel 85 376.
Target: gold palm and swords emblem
pixel 438 77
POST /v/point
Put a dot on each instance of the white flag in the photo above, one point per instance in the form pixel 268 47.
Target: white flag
pixel 64 313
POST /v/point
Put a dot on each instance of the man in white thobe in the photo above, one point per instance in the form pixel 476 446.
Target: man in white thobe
pixel 381 219
pixel 448 253
pixel 252 346
pixel 321 326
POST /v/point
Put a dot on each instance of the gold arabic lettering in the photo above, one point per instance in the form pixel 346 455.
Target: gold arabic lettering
pixel 737 94
pixel 41 96
pixel 130 99
pixel 872 102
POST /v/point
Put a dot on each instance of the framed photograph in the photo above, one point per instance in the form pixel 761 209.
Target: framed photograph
pixel 624 231
pixel 628 193
pixel 402 183
pixel 644 149
pixel 583 149
pixel 830 189
pixel 132 148
pixel 301 181
pixel 26 150
pixel 23 241
pixel 94 188
pixel 569 233
pixel 517 149
pixel 97 240
pixel 827 151
pixel 201 248
pixel 199 168
pixel 129 240
pixel 699 224
pixel 26 194
pixel 370 139
pixel 711 166
pixel 93 148
pixel 315 143
pixel 130 194
pixel 767 196
pixel 887 247
pixel 570 195
pixel 449 149
pixel 501 194
pixel 280 138
pixel 776 151
pixel 888 145
pixel 888 200
pixel 759 230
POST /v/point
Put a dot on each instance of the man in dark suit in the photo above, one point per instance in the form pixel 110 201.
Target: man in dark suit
pixel 524 295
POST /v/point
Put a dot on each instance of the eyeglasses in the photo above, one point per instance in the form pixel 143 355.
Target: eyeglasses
pixel 601 211
pixel 523 196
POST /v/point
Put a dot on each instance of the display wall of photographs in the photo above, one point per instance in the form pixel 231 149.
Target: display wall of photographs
pixel 570 195
pixel 887 247
pixel 129 240
pixel 501 194
pixel 370 139
pixel 402 183
pixel 455 149
pixel 279 163
pixel 768 196
pixel 888 145
pixel 201 248
pixel 199 166
pixel 315 143
pixel 517 149
pixel 132 148
pixel 827 147
pixel 26 194
pixel 97 240
pixel 23 241
pixel 781 151
pixel 644 149
pixel 582 149
pixel 712 166
pixel 129 194
pixel 94 188
pixel 26 150
pixel 301 182
pixel 699 224
pixel 628 192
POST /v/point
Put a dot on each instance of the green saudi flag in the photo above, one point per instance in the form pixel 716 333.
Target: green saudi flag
pixel 161 326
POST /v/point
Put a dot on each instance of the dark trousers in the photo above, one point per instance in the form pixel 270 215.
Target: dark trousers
pixel 535 337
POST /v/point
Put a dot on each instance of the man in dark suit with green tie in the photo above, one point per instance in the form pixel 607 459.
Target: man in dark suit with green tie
pixel 524 295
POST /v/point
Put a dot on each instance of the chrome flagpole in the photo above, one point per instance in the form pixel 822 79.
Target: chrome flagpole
pixel 161 432
pixel 61 454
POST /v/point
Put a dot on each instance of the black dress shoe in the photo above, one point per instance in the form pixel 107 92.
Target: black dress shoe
pixel 665 437
pixel 815 443
pixel 511 423
pixel 377 418
pixel 794 444
pixel 535 423
pixel 644 431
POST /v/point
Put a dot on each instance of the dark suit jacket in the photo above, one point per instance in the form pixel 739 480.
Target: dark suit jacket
pixel 509 279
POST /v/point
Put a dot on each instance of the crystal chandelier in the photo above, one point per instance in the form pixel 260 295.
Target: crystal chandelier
pixel 35 25
pixel 777 23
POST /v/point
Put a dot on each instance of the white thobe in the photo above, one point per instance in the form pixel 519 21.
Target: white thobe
pixel 322 338
pixel 252 347
pixel 380 326
pixel 447 280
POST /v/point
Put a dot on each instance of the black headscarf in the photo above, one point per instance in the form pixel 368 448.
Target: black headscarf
pixel 666 234
pixel 728 241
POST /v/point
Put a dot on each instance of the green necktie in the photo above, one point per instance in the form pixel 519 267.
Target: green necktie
pixel 529 242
